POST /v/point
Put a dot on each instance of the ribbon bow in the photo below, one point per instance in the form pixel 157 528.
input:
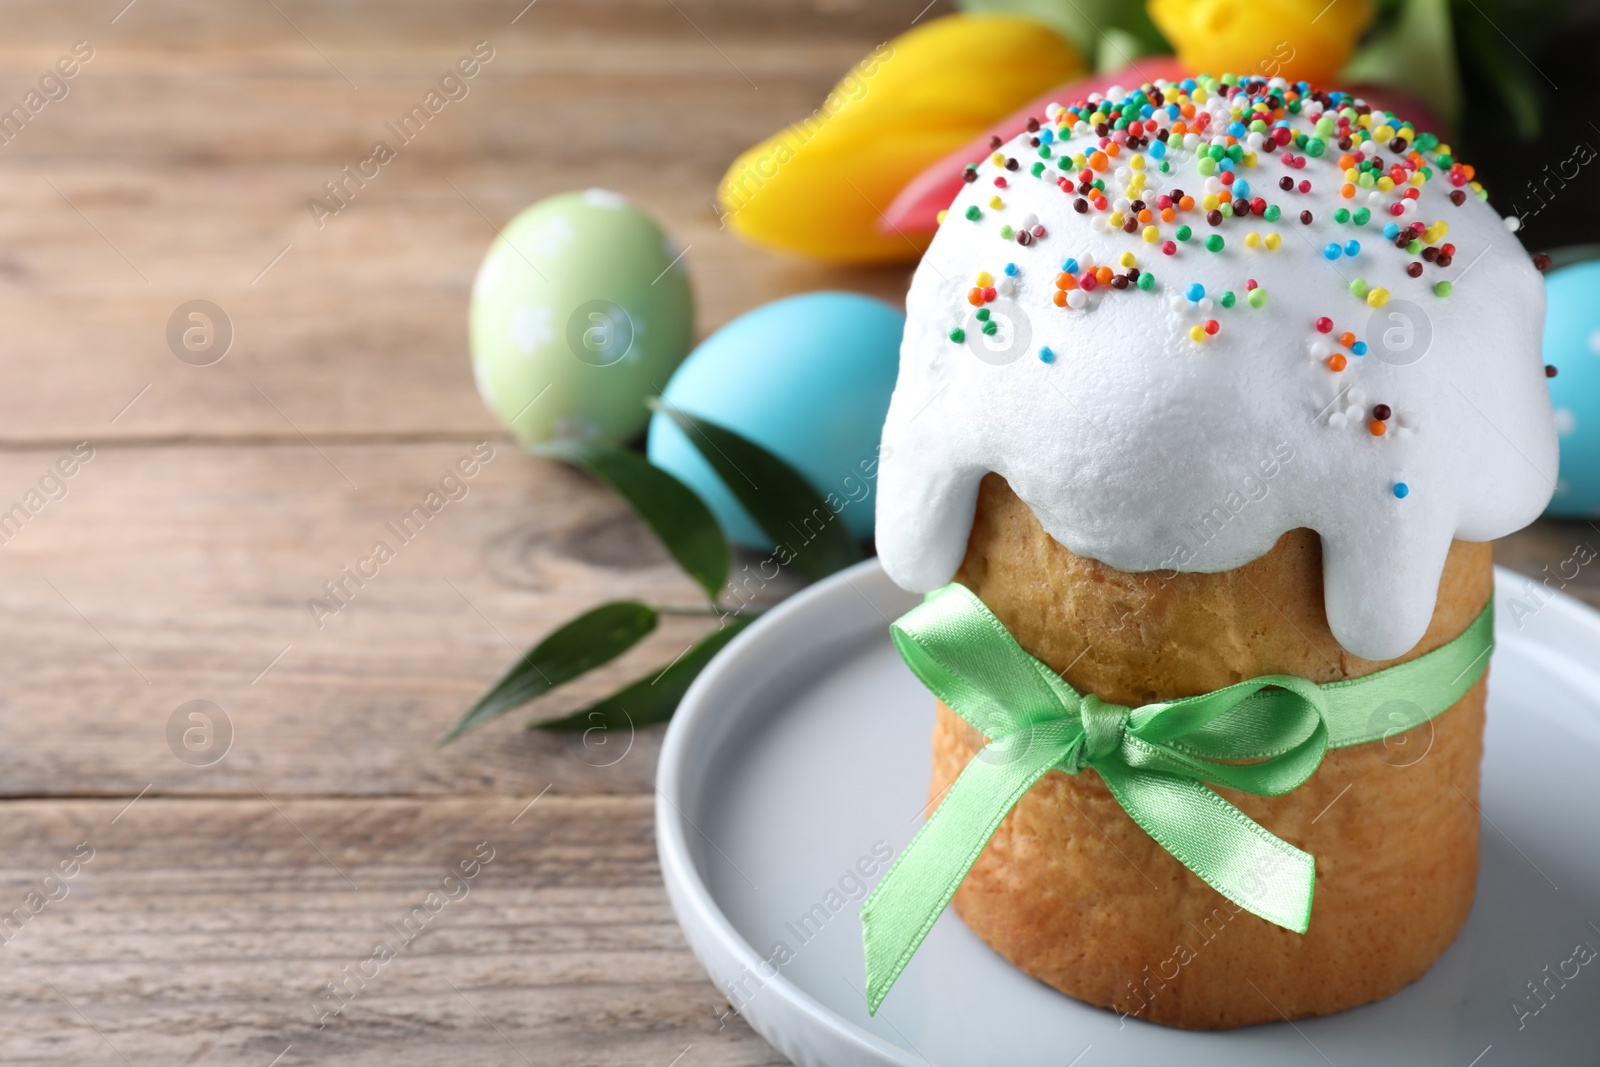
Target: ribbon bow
pixel 1265 736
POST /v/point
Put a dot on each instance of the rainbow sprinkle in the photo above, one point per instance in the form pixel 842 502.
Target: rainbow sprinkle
pixel 1228 165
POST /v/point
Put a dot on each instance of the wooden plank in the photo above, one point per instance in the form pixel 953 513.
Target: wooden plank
pixel 170 574
pixel 358 330
pixel 181 164
pixel 207 931
pixel 291 36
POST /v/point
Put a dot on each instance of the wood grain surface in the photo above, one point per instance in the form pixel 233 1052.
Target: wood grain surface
pixel 220 900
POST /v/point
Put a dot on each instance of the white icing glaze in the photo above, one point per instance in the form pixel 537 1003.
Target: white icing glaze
pixel 1150 451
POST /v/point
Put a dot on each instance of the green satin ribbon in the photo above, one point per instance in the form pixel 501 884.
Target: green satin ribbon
pixel 1155 760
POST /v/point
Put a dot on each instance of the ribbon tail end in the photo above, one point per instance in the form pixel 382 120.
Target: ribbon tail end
pixel 1289 906
pixel 1303 923
pixel 881 975
pixel 875 998
pixel 1228 850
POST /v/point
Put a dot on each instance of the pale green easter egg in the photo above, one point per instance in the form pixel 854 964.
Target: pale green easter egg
pixel 580 311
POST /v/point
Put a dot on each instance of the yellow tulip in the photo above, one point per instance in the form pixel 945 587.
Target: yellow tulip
pixel 818 188
pixel 1295 39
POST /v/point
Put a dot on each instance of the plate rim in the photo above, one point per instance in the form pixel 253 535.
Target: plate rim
pixel 710 932
pixel 698 914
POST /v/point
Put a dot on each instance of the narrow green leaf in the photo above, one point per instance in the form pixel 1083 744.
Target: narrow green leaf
pixel 1415 50
pixel 583 644
pixel 1514 87
pixel 685 525
pixel 651 699
pixel 807 533
pixel 1113 35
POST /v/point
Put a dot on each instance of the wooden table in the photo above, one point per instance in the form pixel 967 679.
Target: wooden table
pixel 222 899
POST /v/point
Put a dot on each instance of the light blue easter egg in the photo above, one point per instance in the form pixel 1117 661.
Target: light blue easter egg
pixel 1572 346
pixel 808 378
pixel 580 311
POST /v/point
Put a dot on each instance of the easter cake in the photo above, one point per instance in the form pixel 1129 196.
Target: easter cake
pixel 1206 382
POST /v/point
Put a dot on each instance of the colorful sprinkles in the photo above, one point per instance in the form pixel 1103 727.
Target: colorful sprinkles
pixel 1240 160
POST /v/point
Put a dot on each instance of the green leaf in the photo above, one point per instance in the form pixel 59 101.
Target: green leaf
pixel 583 644
pixel 808 533
pixel 651 699
pixel 1415 51
pixel 1113 36
pixel 685 525
pixel 1509 74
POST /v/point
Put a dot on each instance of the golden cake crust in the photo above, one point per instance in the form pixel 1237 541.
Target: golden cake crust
pixel 1073 892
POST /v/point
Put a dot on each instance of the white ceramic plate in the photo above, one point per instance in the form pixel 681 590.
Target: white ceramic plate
pixel 804 748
